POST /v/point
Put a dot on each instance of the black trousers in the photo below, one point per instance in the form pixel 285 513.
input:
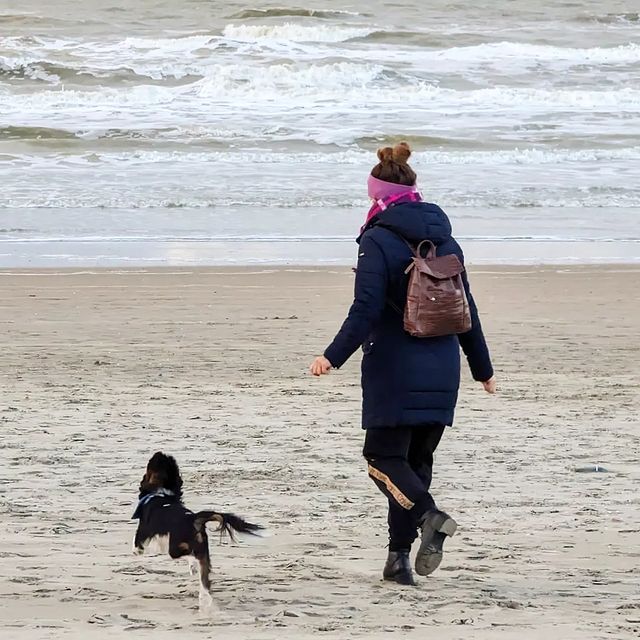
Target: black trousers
pixel 401 464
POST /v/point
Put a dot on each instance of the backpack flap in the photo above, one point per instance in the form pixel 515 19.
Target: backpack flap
pixel 441 268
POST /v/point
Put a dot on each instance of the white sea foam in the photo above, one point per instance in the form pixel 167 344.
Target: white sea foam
pixel 534 98
pixel 536 54
pixel 513 199
pixel 185 49
pixel 112 49
pixel 280 12
pixel 277 81
pixel 24 67
pixel 291 32
pixel 203 55
pixel 185 55
pixel 155 58
pixel 315 87
pixel 357 157
pixel 346 85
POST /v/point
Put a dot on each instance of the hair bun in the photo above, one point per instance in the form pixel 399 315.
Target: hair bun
pixel 401 153
pixel 385 154
pixel 393 165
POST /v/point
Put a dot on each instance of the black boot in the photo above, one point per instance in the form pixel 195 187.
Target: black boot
pixel 398 568
pixel 436 526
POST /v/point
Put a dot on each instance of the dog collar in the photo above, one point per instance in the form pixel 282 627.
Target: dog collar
pixel 159 493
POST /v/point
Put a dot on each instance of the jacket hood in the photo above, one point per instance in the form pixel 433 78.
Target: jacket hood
pixel 417 221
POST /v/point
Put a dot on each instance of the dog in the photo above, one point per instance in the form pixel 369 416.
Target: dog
pixel 164 519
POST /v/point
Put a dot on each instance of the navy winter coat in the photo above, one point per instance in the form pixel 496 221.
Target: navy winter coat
pixel 406 381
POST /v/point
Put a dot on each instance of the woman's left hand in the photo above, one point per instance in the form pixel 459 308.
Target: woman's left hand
pixel 320 366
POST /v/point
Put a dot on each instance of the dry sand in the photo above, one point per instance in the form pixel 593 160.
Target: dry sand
pixel 100 370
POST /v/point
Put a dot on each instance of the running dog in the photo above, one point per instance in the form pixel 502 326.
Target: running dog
pixel 177 530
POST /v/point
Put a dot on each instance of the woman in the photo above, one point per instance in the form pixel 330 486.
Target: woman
pixel 409 385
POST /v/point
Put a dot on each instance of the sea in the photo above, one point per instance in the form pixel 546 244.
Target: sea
pixel 224 132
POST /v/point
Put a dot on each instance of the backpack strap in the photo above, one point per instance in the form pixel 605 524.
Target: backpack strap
pixel 431 251
pixel 417 253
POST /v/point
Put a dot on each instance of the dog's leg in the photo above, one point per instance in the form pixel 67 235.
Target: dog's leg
pixel 139 543
pixel 206 601
pixel 193 565
pixel 161 543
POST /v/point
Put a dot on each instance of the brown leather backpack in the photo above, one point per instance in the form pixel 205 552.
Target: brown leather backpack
pixel 437 304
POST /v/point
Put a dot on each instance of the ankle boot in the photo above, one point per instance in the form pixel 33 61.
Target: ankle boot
pixel 398 568
pixel 436 526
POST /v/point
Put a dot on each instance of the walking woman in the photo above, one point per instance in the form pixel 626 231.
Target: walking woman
pixel 409 384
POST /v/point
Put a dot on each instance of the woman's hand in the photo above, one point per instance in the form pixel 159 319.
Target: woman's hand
pixel 490 385
pixel 320 366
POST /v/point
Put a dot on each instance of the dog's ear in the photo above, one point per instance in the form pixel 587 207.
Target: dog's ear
pixel 173 478
pixel 156 461
pixel 143 484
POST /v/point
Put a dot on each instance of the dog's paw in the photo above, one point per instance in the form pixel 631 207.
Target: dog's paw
pixel 137 551
pixel 206 603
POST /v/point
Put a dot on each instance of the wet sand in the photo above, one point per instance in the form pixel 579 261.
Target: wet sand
pixel 101 369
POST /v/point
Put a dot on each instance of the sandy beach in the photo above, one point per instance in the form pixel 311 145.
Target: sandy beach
pixel 101 369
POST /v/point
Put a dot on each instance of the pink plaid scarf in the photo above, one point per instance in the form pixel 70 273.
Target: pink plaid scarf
pixel 386 194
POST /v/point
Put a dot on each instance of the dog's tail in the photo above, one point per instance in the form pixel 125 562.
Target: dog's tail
pixel 229 523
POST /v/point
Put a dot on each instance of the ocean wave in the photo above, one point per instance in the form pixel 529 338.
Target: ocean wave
pixel 174 158
pixel 292 12
pixel 316 86
pixel 73 236
pixel 223 82
pixel 13 19
pixel 532 98
pixel 533 55
pixel 22 69
pixel 631 18
pixel 186 59
pixel 110 50
pixel 35 133
pixel 16 230
pixel 428 158
pixel 291 32
pixel 495 199
pixel 107 63
pixel 46 71
pixel 583 199
pixel 528 156
pixel 208 137
pixel 89 201
pixel 416 141
pixel 278 80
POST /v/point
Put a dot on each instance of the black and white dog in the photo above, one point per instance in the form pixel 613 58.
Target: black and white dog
pixel 177 530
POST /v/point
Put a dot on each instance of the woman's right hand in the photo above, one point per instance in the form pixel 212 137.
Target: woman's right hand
pixel 490 385
pixel 320 366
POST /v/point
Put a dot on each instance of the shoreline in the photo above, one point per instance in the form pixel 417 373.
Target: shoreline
pixel 16 254
pixel 242 270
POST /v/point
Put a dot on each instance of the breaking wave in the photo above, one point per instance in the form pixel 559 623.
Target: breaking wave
pixel 293 12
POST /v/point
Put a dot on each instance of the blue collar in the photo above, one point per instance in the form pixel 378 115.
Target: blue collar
pixel 147 498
